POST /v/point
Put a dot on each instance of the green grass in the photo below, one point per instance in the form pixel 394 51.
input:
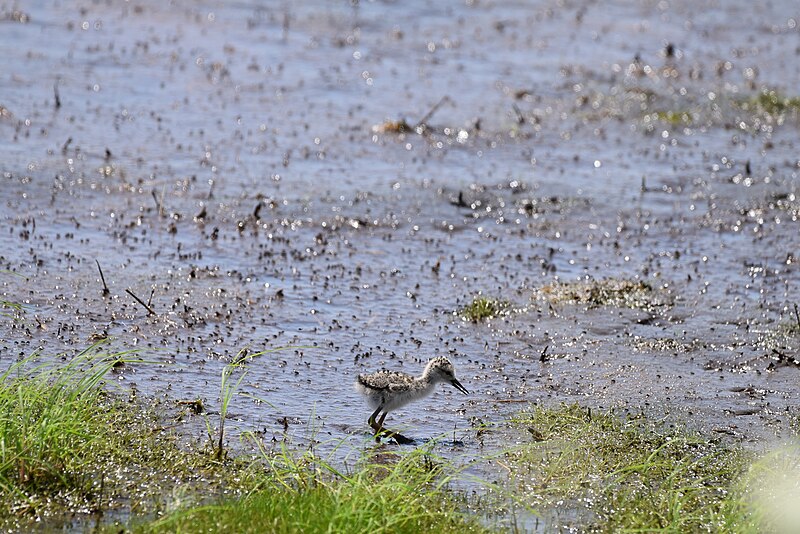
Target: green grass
pixel 46 426
pixel 482 308
pixel 773 489
pixel 71 446
pixel 611 474
pixel 390 493
pixel 7 304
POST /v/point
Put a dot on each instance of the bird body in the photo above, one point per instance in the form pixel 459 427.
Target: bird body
pixel 388 390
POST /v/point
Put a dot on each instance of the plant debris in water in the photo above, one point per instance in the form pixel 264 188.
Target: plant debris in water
pixel 772 102
pixel 623 293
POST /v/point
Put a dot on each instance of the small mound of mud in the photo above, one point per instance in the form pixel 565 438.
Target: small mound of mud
pixel 665 344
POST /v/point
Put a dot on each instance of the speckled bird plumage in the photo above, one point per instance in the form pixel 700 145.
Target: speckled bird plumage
pixel 388 390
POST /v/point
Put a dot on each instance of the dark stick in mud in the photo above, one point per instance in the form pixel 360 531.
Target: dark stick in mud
pixel 158 203
pixel 424 120
pixel 543 356
pixel 797 316
pixel 56 95
pixel 520 116
pixel 102 279
pixel 150 300
pixel 140 301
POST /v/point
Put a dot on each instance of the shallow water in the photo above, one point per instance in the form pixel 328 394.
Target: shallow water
pixel 228 158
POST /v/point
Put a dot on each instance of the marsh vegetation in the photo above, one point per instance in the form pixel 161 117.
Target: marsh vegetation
pixel 78 451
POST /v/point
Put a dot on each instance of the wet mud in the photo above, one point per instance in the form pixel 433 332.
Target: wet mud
pixel 344 178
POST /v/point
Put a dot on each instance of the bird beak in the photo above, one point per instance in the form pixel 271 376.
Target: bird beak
pixel 459 387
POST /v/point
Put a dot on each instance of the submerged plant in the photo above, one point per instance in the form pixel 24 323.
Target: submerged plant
pixel 8 304
pixel 675 118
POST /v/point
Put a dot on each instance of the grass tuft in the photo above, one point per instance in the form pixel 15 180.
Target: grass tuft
pixel 482 308
pixel 46 423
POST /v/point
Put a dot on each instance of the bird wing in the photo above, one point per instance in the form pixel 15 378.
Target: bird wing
pixel 398 387
pixel 385 381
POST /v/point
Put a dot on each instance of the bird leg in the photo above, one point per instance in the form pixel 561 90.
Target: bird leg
pixel 398 437
pixel 380 423
pixel 376 426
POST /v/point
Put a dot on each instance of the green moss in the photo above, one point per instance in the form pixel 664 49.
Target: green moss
pixel 675 118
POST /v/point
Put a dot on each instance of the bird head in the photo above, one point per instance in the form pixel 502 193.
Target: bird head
pixel 441 370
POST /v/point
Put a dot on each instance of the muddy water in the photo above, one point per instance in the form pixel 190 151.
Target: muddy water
pixel 235 165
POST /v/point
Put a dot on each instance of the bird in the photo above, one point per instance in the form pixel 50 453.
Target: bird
pixel 388 390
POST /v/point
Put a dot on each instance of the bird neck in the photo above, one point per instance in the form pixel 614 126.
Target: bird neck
pixel 426 378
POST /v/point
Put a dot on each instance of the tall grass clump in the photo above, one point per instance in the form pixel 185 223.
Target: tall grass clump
pixel 72 448
pixel 46 421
